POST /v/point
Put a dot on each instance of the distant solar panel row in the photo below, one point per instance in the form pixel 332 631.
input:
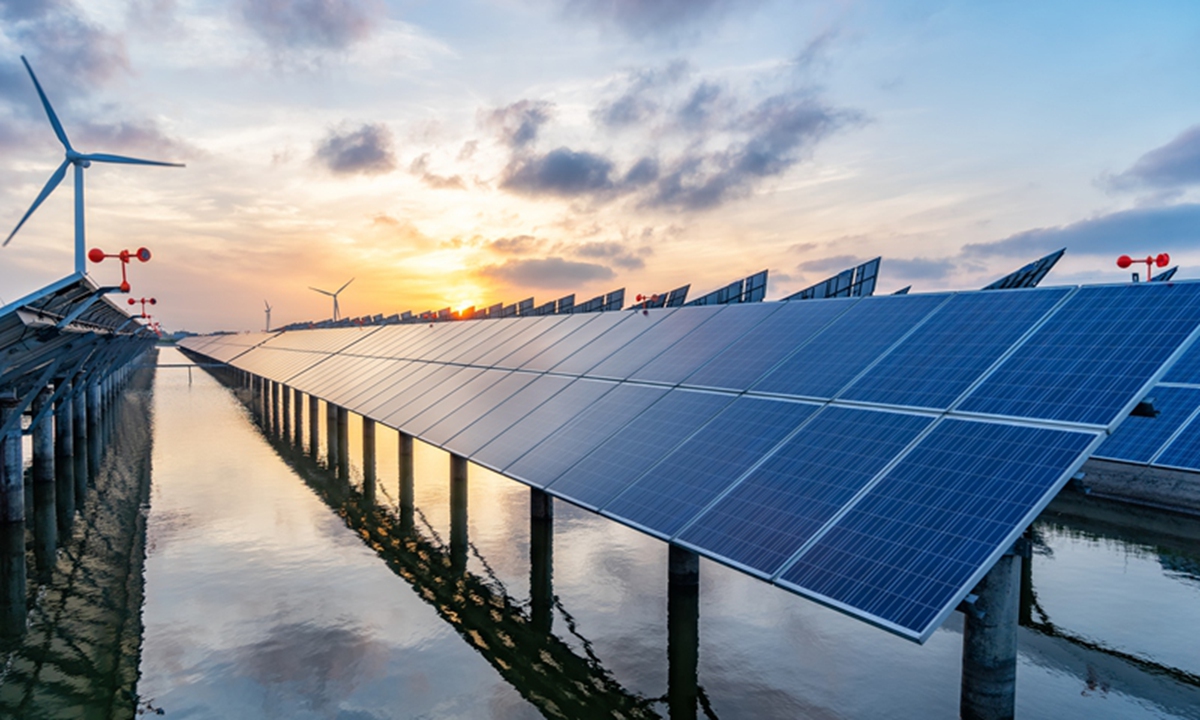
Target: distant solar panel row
pixel 876 454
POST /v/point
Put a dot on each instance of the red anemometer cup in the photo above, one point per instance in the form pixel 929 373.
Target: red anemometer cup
pixel 97 255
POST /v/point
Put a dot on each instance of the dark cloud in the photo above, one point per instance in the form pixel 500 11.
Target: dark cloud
pixel 701 107
pixel 367 150
pixel 1174 165
pixel 651 18
pixel 517 125
pixel 420 168
pixel 615 252
pixel 640 98
pixel 919 268
pixel 288 25
pixel 562 172
pixel 515 245
pixel 552 272
pixel 143 137
pixel 643 171
pixel 1158 229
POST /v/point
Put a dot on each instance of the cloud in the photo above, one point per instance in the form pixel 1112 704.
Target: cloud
pixel 420 168
pixel 614 252
pixel 649 18
pixel 517 125
pixel 834 264
pixel 640 100
pixel 551 272
pixel 1155 229
pixel 322 25
pixel 701 107
pixel 918 268
pixel 516 245
pixel 142 136
pixel 562 172
pixel 1174 165
pixel 367 150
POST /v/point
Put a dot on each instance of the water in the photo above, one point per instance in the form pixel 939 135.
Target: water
pixel 272 591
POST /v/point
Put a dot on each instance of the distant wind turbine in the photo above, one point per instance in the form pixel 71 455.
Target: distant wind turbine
pixel 333 295
pixel 268 315
pixel 80 161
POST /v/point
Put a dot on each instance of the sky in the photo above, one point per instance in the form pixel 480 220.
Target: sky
pixel 470 152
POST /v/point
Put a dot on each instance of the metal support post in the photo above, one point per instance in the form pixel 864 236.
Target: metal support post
pixel 343 443
pixel 79 408
pixel 407 503
pixel 458 512
pixel 45 520
pixel 314 426
pixel 95 427
pixel 989 659
pixel 368 426
pixel 64 460
pixel 541 559
pixel 331 440
pixel 683 633
pixel 12 468
pixel 285 414
pixel 298 419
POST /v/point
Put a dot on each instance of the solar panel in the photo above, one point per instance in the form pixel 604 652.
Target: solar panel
pixel 411 389
pixel 693 474
pixel 1165 275
pixel 1028 276
pixel 1184 451
pixel 581 333
pixel 769 515
pixel 504 415
pixel 565 447
pixel 1138 439
pixel 942 358
pixel 1187 368
pixel 919 540
pixel 392 392
pixel 614 464
pixel 519 332
pixel 477 406
pixel 1096 351
pixel 848 345
pixel 702 344
pixel 544 341
pixel 627 359
pixel 467 388
pixel 857 281
pixel 598 350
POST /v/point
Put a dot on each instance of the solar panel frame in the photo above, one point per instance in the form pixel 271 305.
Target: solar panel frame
pixel 1140 440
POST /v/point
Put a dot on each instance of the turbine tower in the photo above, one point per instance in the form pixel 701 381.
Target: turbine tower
pixel 333 295
pixel 80 161
pixel 268 315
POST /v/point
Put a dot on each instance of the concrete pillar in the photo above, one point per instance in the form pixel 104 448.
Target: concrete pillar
pixel 407 502
pixel 1025 615
pixel 683 633
pixel 989 662
pixel 12 580
pixel 45 519
pixel 274 427
pixel 331 443
pixel 64 460
pixel 298 419
pixel 79 408
pixel 541 560
pixel 314 426
pixel 343 443
pixel 458 512
pixel 12 471
pixel 285 414
pixel 368 426
pixel 95 429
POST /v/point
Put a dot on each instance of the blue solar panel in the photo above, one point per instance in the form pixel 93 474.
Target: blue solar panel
pixel 599 324
pixel 916 543
pixel 784 501
pixel 1184 450
pixel 1138 439
pixel 554 455
pixel 528 431
pixel 642 441
pixel 476 407
pixel 1187 368
pixel 684 482
pixel 596 351
pixel 848 345
pixel 700 345
pixel 426 394
pixel 1087 360
pixel 393 392
pixel 627 359
pixel 546 340
pixel 521 332
pixel 467 385
pixel 943 357
pixel 738 366
pixel 506 414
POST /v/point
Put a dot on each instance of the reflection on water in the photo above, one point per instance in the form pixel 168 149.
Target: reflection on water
pixel 274 590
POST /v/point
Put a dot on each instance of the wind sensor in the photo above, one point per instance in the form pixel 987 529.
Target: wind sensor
pixel 1161 260
pixel 97 255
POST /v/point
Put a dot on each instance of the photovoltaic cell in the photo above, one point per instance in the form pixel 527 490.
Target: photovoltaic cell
pixel 848 345
pixel 521 332
pixel 545 340
pixel 739 365
pixel 700 345
pixel 646 347
pixel 596 351
pixel 1138 439
pixel 600 324
pixel 1082 365
pixel 767 517
pixel 646 438
pixel 1187 369
pixel 945 355
pixel 1184 451
pixel 393 393
pixel 558 452
pixel 481 404
pixel 439 402
pixel 910 548
pixel 692 475
pixel 539 424
pixel 406 404
pixel 503 416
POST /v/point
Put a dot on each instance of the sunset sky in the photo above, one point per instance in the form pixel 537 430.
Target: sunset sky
pixel 478 151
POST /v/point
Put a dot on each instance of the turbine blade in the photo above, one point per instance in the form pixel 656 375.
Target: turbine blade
pixel 323 292
pixel 345 286
pixel 52 183
pixel 58 128
pixel 121 159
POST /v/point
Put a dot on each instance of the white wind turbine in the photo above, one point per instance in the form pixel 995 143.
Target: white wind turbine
pixel 268 315
pixel 333 295
pixel 80 161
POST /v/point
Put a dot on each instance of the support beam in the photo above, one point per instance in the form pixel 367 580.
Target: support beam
pixel 314 426
pixel 79 408
pixel 368 441
pixel 12 580
pixel 989 660
pixel 298 420
pixel 343 443
pixel 331 440
pixel 12 470
pixel 45 520
pixel 683 633
pixel 285 413
pixel 64 460
pixel 541 560
pixel 407 502
pixel 458 512
pixel 95 430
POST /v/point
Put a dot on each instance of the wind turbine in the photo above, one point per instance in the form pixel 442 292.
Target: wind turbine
pixel 80 161
pixel 268 315
pixel 333 295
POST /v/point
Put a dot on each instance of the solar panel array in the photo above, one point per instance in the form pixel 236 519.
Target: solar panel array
pixel 1029 275
pixel 876 454
pixel 857 281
